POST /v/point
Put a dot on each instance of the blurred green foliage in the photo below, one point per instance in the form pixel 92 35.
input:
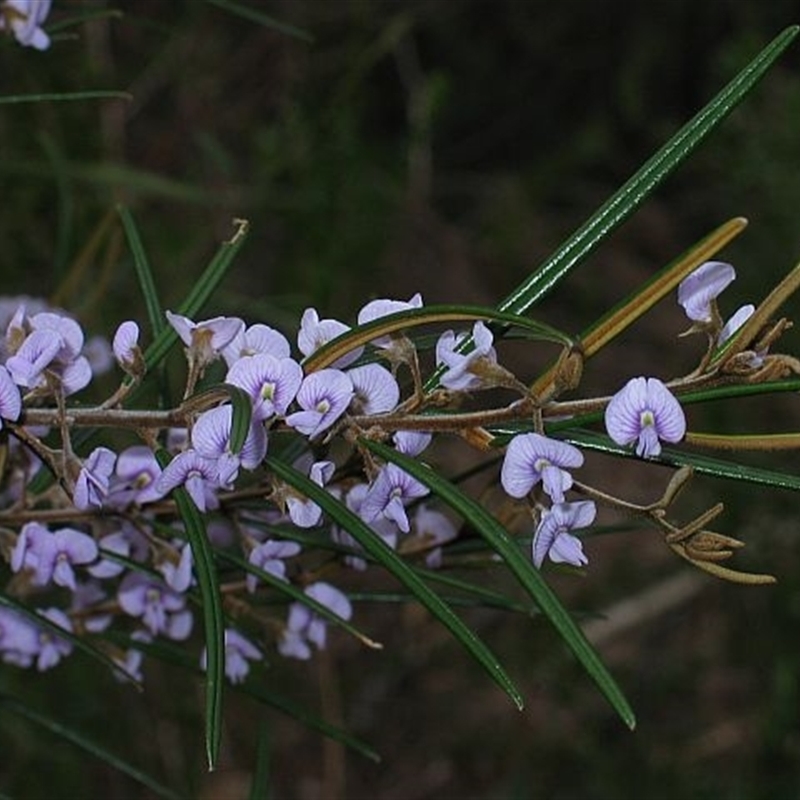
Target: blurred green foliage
pixel 441 146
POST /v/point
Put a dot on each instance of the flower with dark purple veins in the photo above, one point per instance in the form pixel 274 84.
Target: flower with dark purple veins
pixel 271 382
pixel 33 357
pixel 305 627
pixel 324 397
pixel 315 332
pixel 461 374
pixel 199 475
pixel 376 390
pixel 645 411
pixel 92 485
pixel 412 443
pixel 268 556
pixel 553 537
pixel 388 495
pixel 258 339
pixel 698 292
pixel 531 457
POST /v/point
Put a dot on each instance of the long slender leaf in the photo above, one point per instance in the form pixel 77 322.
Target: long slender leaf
pixel 254 15
pixel 44 97
pixel 259 785
pixel 383 554
pixel 641 185
pixel 88 745
pixel 529 577
pixel 147 284
pixel 213 621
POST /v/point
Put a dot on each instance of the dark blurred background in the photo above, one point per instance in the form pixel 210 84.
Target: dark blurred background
pixel 441 146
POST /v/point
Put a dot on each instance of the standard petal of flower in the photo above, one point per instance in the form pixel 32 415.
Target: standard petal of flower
pixel 705 284
pixel 10 398
pixel 376 390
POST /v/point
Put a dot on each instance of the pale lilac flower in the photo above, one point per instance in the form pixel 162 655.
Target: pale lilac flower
pixel 154 602
pixel 116 543
pixel 698 291
pixel 271 382
pixel 67 329
pixel 126 346
pixel 211 438
pixel 10 398
pixel 205 340
pixel 239 652
pixel 130 664
pixel 24 19
pixel 735 322
pixel 304 512
pixel 459 375
pixel 51 647
pixel 388 495
pixel 376 390
pixel 315 332
pixel 177 572
pixel 51 555
pixel 268 556
pixel 256 340
pixel 412 443
pixel 137 473
pixel 200 476
pixel 645 411
pixel 33 356
pixel 531 457
pixel 305 627
pixel 92 485
pixel 19 641
pixel 432 529
pixel 84 598
pixel 75 375
pixel 553 537
pixel 324 397
pixel 376 309
pixel 385 528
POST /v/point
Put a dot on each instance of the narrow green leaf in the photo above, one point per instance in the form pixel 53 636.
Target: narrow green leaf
pixel 242 413
pixel 638 188
pixel 259 786
pixel 79 19
pixel 147 284
pixel 213 621
pixel 383 554
pixel 200 294
pixel 428 315
pixel 528 576
pixel 705 465
pixel 44 97
pixel 253 15
pixel 79 642
pixel 88 745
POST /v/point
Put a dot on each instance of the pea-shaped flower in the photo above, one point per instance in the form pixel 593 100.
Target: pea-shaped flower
pixel 553 537
pixel 646 412
pixel 531 457
pixel 699 290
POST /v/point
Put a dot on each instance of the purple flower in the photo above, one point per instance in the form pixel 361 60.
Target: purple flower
pixel 305 627
pixel 24 18
pixel 199 475
pixel 431 530
pixel 388 494
pixel 324 397
pixel 256 340
pixel 460 374
pixel 205 340
pixel 137 472
pixel 67 330
pixel 10 399
pixel 160 608
pixel 553 537
pixel 376 390
pixel 268 556
pixel 239 652
pixel 531 457
pixel 211 438
pixel 645 411
pixel 376 309
pixel 126 347
pixel 92 486
pixel 698 291
pixel 177 569
pixel 33 356
pixel 51 556
pixel 19 641
pixel 411 443
pixel 315 332
pixel 51 647
pixel 304 512
pixel 271 382
pixel 385 528
pixel 85 598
